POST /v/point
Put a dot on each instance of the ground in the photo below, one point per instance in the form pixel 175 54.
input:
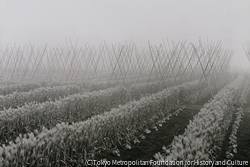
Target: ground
pixel 176 126
pixel 157 139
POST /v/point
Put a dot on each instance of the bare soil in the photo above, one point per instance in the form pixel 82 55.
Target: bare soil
pixel 176 126
pixel 157 139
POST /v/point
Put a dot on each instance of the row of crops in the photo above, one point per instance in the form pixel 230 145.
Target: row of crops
pixel 61 106
pixel 81 140
pixel 23 112
pixel 204 136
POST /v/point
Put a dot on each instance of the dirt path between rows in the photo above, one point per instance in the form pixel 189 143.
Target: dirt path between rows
pixel 156 139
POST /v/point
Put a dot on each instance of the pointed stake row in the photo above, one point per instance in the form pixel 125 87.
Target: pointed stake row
pixel 170 62
pixel 246 47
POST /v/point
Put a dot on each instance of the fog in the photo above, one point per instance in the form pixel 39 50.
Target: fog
pixel 43 22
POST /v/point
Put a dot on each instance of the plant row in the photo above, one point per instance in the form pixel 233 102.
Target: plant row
pixel 50 92
pixel 204 135
pixel 232 148
pixel 76 107
pixel 70 143
pixel 7 89
pixel 72 108
pixel 42 94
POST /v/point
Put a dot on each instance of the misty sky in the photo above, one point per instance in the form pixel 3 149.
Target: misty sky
pixel 43 22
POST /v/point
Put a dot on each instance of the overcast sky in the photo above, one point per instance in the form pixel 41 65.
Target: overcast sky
pixel 43 22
